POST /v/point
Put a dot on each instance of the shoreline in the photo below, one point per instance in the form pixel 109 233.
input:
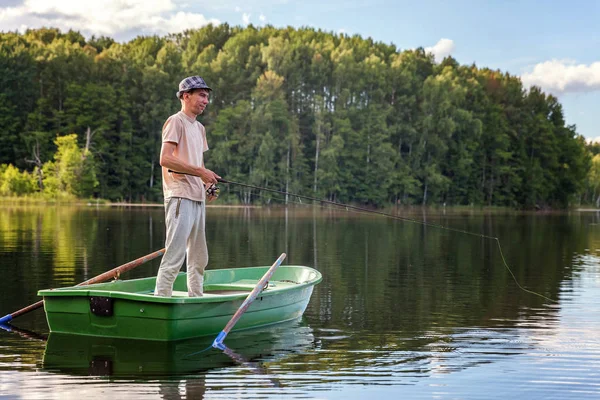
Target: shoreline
pixel 142 205
pixel 25 201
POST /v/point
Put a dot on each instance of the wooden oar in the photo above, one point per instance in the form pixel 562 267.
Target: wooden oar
pixel 113 273
pixel 218 342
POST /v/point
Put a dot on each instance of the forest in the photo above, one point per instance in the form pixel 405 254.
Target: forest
pixel 338 117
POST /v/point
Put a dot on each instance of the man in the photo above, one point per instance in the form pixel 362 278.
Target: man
pixel 183 145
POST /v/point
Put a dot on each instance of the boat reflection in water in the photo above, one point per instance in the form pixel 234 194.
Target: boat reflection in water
pixel 87 355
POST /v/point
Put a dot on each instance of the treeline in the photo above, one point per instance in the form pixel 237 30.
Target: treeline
pixel 339 117
pixel 71 174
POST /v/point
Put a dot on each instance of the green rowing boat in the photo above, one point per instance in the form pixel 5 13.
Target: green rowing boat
pixel 128 309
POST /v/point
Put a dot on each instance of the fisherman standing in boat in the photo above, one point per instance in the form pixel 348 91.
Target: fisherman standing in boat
pixel 183 145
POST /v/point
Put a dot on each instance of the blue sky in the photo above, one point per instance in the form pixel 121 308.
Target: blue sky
pixel 553 44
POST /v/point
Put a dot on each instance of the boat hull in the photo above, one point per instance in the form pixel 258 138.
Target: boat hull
pixel 88 355
pixel 127 309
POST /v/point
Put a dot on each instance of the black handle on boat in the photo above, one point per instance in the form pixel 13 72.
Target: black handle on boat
pixel 113 273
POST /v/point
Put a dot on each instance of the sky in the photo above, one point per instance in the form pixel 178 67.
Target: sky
pixel 552 44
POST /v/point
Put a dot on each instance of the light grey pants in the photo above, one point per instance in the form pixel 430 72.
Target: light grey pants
pixel 185 221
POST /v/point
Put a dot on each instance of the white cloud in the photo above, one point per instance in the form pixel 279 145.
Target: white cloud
pixel 246 18
pixel 594 140
pixel 564 76
pixel 107 17
pixel 443 48
pixel 262 18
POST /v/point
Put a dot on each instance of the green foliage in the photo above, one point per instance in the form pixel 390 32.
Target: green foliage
pixel 14 182
pixel 72 172
pixel 594 180
pixel 342 118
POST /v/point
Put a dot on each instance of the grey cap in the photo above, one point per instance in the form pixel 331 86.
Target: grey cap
pixel 190 83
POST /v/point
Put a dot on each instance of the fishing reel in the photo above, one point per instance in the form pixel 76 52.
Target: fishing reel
pixel 213 190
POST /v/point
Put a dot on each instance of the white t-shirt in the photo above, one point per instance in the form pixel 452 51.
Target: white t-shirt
pixel 190 136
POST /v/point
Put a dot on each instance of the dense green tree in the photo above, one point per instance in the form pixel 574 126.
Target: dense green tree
pixel 14 182
pixel 593 181
pixel 18 94
pixel 341 117
pixel 72 171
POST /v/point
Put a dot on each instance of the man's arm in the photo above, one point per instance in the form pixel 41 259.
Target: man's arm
pixel 169 161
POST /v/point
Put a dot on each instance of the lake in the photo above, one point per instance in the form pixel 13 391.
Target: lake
pixel 406 309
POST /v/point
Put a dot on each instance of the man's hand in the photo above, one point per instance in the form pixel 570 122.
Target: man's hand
pixel 207 176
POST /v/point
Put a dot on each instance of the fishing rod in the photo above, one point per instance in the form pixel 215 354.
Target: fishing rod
pixel 213 190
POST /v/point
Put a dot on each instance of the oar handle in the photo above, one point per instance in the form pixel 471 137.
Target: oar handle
pixel 218 342
pixel 113 273
pixel 25 310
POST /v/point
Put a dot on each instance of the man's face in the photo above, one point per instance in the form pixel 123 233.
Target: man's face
pixel 197 100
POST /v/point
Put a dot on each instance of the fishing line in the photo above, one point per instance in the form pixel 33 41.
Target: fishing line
pixel 414 221
pixel 364 210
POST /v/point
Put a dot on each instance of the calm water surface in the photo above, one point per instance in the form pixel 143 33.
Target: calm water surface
pixel 404 310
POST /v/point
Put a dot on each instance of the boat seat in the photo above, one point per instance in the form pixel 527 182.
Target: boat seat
pixel 181 293
pixel 237 287
pixel 243 285
pixel 247 285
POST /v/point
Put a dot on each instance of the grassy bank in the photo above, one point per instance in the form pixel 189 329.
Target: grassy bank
pixel 42 200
